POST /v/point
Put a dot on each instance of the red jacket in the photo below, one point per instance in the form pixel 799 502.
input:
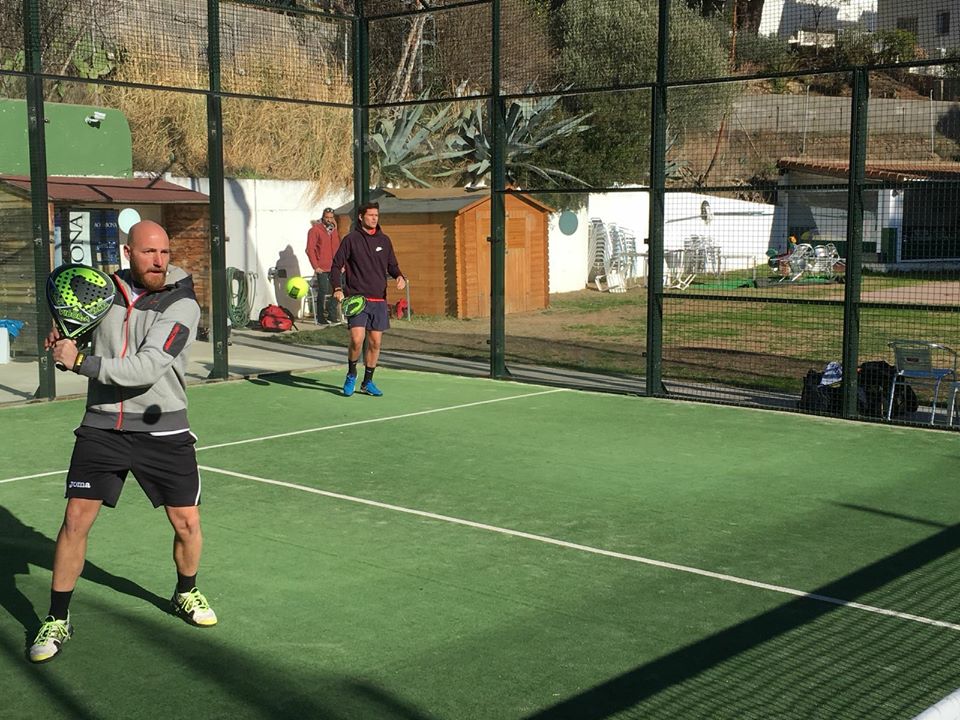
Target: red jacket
pixel 322 245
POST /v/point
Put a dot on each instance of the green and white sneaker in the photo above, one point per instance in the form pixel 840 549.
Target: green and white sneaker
pixel 193 608
pixel 53 634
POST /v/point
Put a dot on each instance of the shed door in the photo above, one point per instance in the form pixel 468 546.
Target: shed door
pixel 517 272
pixel 518 268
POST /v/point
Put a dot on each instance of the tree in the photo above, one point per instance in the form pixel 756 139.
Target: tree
pixel 608 43
pixel 817 8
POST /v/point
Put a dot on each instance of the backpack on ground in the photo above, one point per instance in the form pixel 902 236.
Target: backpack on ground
pixel 874 381
pixel 276 318
pixel 818 398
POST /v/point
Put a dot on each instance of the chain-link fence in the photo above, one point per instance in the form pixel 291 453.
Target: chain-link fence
pixel 723 200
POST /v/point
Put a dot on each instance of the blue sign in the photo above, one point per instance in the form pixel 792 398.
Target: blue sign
pixel 105 233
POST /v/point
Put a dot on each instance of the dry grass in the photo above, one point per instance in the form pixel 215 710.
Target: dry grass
pixel 261 139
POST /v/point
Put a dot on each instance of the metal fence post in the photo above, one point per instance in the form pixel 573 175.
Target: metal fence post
pixel 498 254
pixel 658 158
pixel 851 291
pixel 361 109
pixel 218 265
pixel 36 131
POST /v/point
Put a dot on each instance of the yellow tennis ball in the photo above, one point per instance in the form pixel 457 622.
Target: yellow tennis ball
pixel 297 288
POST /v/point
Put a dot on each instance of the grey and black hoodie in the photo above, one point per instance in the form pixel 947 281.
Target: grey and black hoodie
pixel 138 360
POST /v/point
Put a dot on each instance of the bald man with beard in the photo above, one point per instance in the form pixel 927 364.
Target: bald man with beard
pixel 135 422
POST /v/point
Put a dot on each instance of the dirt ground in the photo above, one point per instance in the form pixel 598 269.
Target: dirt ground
pixel 585 332
pixel 609 340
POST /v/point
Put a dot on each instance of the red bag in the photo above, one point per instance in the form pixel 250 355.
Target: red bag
pixel 275 318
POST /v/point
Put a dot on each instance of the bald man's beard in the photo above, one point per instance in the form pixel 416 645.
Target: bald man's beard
pixel 151 281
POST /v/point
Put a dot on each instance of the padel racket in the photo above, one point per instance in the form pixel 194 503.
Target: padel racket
pixel 79 298
pixel 353 305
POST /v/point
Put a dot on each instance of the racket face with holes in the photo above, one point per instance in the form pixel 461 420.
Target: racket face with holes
pixel 353 305
pixel 79 297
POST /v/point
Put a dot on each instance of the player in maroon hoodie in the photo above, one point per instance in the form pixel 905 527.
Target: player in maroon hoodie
pixel 367 257
pixel 323 240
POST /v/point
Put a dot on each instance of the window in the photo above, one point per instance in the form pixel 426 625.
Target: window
pixel 943 23
pixel 909 24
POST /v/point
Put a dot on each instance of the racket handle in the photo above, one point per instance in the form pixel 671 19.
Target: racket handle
pixel 61 367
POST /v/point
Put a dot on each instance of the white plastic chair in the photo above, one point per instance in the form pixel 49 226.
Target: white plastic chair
pixel 921 361
pixel 677 276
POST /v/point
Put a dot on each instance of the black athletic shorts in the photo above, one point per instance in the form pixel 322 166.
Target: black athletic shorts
pixel 164 465
pixel 374 316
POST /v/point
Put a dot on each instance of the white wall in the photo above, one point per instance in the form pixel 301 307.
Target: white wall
pixel 567 254
pixel 785 17
pixel 267 223
pixel 266 226
pixel 743 230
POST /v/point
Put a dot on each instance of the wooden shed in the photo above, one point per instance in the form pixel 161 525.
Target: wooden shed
pixel 441 236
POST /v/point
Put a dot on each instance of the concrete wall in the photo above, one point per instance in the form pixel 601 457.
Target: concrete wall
pixel 821 115
pixel 266 226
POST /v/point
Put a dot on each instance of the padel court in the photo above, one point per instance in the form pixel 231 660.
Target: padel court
pixel 465 548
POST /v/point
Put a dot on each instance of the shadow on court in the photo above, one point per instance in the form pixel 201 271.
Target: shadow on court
pixel 731 648
pixel 21 546
pixel 219 677
pixel 295 381
pixel 209 669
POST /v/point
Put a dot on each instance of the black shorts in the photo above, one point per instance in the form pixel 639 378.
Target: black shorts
pixel 374 316
pixel 164 465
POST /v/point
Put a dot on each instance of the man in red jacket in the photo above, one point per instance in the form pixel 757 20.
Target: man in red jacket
pixel 366 254
pixel 323 241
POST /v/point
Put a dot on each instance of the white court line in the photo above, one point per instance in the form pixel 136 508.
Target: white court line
pixel 31 477
pixel 596 551
pixel 381 419
pixel 331 427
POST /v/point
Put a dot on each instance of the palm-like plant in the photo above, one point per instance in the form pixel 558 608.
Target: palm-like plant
pixel 404 142
pixel 529 126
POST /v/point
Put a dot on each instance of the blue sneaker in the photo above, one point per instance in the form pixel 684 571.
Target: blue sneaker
pixel 349 384
pixel 368 388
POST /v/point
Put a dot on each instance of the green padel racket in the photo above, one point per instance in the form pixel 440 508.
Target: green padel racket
pixel 353 305
pixel 79 298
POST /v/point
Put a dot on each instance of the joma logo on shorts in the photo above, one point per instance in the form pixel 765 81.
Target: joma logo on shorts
pixel 79 484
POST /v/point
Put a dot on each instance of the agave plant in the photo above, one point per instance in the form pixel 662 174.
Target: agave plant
pixel 529 126
pixel 405 141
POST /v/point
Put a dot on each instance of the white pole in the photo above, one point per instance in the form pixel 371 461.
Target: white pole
pixel 933 127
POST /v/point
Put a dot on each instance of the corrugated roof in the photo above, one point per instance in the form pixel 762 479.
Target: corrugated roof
pixel 138 191
pixel 891 170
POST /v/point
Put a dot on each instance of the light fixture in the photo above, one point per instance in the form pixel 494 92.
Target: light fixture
pixel 95 119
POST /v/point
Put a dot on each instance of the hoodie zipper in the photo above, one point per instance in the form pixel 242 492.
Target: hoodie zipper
pixel 123 350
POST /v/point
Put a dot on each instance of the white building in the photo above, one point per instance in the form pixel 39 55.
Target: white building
pixel 787 18
pixel 934 23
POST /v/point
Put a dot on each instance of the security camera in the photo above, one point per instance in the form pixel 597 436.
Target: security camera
pixel 95 119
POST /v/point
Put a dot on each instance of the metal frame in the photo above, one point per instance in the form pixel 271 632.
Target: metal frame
pixel 658 86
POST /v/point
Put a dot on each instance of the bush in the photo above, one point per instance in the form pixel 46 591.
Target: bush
pixel 895 46
pixel 767 53
pixel 856 48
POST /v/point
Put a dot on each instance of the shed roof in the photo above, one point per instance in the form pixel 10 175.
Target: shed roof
pixel 398 201
pixel 890 170
pixel 105 190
